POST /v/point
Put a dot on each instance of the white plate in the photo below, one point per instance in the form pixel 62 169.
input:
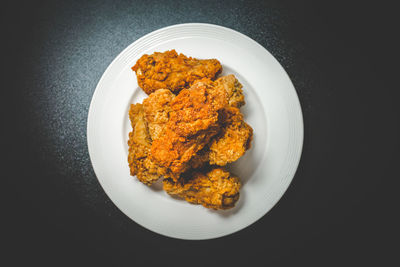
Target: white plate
pixel 272 109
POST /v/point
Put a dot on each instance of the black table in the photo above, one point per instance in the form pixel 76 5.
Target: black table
pixel 341 206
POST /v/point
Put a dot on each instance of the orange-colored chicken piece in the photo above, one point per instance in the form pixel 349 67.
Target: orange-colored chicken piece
pixel 217 189
pixel 139 147
pixel 171 71
pixel 193 122
pixel 234 139
pixel 156 111
pixel 234 89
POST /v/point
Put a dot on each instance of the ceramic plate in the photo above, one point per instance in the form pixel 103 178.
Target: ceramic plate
pixel 272 109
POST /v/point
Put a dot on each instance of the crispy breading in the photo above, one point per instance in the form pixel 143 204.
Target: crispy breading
pixel 234 89
pixel 156 111
pixel 171 71
pixel 156 106
pixel 193 122
pixel 139 147
pixel 233 141
pixel 217 189
pixel 179 136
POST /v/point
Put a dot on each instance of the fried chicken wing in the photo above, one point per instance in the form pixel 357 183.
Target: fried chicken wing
pixel 139 147
pixel 171 71
pixel 234 89
pixel 192 123
pixel 217 189
pixel 156 111
pixel 233 141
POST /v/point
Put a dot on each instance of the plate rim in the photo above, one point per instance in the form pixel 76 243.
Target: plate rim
pixel 299 126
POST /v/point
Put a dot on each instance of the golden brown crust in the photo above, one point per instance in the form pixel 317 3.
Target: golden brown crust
pixel 156 111
pixel 193 122
pixel 234 139
pixel 178 136
pixel 171 71
pixel 139 147
pixel 234 89
pixel 217 189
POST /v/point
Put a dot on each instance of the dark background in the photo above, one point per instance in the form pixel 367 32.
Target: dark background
pixel 342 206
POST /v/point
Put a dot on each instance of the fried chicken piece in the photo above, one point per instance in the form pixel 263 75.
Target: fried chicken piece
pixel 156 106
pixel 171 71
pixel 193 122
pixel 139 147
pixel 156 111
pixel 234 89
pixel 234 140
pixel 217 189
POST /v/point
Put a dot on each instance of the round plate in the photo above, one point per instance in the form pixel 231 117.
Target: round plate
pixel 272 109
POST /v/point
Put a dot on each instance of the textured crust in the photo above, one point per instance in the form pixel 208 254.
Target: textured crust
pixel 234 139
pixel 234 89
pixel 139 147
pixel 178 136
pixel 217 189
pixel 171 71
pixel 193 122
pixel 156 111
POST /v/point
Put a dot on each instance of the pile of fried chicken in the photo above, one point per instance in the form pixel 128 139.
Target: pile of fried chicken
pixel 188 128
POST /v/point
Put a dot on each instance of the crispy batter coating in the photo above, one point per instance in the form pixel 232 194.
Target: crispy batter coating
pixel 193 122
pixel 233 141
pixel 139 147
pixel 171 71
pixel 188 122
pixel 234 89
pixel 156 111
pixel 217 189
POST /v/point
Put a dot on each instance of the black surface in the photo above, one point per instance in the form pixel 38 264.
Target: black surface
pixel 340 209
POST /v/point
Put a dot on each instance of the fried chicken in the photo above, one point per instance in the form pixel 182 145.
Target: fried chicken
pixel 188 126
pixel 234 89
pixel 193 122
pixel 139 147
pixel 171 71
pixel 233 141
pixel 156 111
pixel 217 189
